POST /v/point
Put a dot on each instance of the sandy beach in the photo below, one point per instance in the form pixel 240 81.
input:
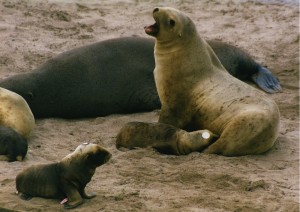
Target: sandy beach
pixel 31 32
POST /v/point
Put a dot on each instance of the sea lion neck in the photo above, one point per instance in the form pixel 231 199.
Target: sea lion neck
pixel 172 46
pixel 167 47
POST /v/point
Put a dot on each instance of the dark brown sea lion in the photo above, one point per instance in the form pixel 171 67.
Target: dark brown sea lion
pixel 195 89
pixel 164 138
pixel 112 76
pixel 12 145
pixel 65 179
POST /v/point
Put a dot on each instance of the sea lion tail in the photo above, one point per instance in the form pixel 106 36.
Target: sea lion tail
pixel 266 80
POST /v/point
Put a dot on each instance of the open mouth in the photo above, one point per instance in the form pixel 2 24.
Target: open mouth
pixel 152 29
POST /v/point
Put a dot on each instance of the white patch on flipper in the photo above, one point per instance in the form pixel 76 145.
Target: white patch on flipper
pixel 64 201
pixel 205 135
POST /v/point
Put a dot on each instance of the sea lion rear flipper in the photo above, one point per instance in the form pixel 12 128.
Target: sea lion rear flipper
pixel 266 80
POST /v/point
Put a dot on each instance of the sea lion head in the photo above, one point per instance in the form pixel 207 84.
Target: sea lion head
pixel 170 24
pixel 91 154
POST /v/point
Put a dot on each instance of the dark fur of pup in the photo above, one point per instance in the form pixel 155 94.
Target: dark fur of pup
pixel 64 179
pixel 164 138
pixel 12 146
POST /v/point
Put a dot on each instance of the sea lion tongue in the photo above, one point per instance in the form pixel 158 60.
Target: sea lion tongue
pixel 152 29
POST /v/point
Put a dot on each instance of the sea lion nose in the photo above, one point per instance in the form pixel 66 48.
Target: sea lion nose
pixel 155 10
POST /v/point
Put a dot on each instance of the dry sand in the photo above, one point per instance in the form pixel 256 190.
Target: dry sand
pixel 143 180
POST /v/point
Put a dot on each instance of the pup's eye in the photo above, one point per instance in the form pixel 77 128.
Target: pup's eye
pixel 172 22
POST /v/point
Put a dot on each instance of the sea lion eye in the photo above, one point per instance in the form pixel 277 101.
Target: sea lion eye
pixel 172 22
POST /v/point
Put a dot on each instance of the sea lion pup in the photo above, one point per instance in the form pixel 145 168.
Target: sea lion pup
pixel 16 125
pixel 112 76
pixel 164 138
pixel 12 146
pixel 195 89
pixel 64 179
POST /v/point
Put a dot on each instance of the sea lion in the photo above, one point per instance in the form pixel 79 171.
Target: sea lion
pixel 15 113
pixel 16 125
pixel 242 66
pixel 164 138
pixel 12 146
pixel 108 77
pixel 195 89
pixel 64 179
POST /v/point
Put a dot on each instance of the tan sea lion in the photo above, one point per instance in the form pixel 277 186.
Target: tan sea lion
pixel 64 179
pixel 195 89
pixel 15 113
pixel 164 138
pixel 16 123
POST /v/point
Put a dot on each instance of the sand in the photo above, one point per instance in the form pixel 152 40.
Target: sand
pixel 143 180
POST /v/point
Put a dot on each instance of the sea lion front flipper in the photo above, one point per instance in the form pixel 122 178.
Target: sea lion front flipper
pixel 74 198
pixel 266 80
pixel 4 158
pixel 87 196
pixel 25 196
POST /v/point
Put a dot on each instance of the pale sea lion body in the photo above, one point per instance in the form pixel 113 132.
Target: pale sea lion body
pixel 112 76
pixel 64 179
pixel 195 89
pixel 15 113
pixel 163 137
pixel 16 125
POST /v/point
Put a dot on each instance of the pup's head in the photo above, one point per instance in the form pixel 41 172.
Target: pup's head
pixel 92 155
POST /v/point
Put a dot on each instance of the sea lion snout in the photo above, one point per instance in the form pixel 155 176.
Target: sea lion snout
pixel 156 10
pixel 153 29
pixel 105 154
pixel 107 158
pixel 98 157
